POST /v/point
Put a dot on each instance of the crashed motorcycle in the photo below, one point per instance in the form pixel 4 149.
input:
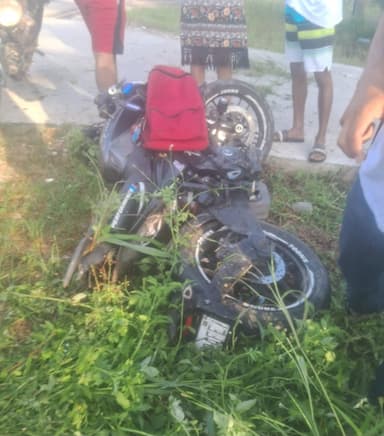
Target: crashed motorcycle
pixel 20 25
pixel 236 271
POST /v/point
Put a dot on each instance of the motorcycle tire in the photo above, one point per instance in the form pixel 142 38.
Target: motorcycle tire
pixel 251 112
pixel 260 298
pixel 17 57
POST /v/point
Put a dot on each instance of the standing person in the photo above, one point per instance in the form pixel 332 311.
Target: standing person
pixel 310 29
pixel 213 35
pixel 105 20
pixel 362 233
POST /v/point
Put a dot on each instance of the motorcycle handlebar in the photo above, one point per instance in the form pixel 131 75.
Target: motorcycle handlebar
pixel 123 93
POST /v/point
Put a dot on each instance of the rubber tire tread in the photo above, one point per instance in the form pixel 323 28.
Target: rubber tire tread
pixel 25 53
pixel 226 87
pixel 320 295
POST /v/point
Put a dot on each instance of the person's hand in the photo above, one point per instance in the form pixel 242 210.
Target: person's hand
pixel 105 105
pixel 357 122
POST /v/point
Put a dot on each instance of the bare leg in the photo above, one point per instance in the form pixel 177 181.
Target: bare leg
pixel 224 73
pixel 299 97
pixel 198 73
pixel 106 70
pixel 325 85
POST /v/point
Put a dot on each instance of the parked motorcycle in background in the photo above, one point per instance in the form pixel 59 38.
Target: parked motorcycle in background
pixel 20 25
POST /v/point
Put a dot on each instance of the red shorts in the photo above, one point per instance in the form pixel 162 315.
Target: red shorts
pixel 105 20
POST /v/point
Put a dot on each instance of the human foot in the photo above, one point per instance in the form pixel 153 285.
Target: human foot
pixel 317 154
pixel 286 136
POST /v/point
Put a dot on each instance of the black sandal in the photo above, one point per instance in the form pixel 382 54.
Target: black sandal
pixel 282 136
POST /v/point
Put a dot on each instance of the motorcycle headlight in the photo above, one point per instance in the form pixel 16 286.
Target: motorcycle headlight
pixel 11 12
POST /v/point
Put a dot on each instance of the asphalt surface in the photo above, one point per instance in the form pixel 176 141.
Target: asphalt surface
pixel 60 87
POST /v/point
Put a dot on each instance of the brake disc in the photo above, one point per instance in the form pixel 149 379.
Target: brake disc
pixel 245 122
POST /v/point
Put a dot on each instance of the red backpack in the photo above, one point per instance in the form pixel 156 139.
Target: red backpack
pixel 174 113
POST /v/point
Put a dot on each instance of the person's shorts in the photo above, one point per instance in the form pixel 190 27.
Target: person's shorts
pixel 307 42
pixel 105 20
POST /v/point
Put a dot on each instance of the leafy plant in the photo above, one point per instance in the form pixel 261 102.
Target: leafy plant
pixel 100 363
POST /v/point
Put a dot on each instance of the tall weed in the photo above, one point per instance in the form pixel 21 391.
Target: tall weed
pixel 99 363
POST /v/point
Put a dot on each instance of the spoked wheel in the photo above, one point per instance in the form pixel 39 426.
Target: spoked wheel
pixel 247 115
pixel 286 281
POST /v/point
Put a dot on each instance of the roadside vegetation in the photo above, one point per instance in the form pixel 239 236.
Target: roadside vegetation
pixel 266 26
pixel 99 363
pixel 75 362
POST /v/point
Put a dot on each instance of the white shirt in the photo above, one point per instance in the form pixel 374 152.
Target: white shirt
pixel 372 178
pixel 324 13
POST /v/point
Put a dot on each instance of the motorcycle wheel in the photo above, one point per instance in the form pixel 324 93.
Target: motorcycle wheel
pixel 292 278
pixel 17 57
pixel 249 111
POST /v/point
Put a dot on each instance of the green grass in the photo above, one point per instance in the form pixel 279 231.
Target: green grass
pixel 266 26
pixel 163 18
pixel 81 363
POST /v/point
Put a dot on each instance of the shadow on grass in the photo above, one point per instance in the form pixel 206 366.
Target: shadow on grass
pixel 45 197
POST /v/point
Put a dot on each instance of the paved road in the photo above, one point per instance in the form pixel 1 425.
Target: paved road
pixel 60 87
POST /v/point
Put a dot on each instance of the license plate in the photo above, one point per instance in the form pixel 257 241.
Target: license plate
pixel 211 332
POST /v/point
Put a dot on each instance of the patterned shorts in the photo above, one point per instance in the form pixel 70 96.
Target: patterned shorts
pixel 307 42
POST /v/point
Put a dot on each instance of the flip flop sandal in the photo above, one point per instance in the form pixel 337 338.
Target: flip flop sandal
pixel 282 136
pixel 317 154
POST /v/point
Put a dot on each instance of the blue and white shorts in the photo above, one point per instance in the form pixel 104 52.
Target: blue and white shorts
pixel 307 42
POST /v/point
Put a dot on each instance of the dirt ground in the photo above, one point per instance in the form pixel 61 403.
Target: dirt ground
pixel 25 136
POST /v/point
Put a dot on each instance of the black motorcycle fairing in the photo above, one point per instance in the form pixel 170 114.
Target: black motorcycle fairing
pixel 231 162
pixel 117 144
pixel 236 214
pixel 138 168
pixel 144 173
pixel 201 297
